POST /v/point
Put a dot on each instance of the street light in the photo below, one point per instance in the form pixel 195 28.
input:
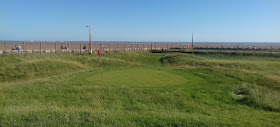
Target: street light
pixel 90 45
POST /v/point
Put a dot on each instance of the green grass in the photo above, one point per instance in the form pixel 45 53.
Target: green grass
pixel 139 89
pixel 135 78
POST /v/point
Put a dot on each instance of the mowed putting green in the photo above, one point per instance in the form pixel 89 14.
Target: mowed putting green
pixel 137 78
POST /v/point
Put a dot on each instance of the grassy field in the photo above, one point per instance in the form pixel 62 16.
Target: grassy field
pixel 139 89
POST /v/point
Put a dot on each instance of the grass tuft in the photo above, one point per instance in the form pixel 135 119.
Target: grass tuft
pixel 258 96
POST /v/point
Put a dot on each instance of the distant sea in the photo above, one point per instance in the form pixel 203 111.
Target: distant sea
pixel 199 43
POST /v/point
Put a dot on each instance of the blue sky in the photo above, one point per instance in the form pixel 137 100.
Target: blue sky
pixel 141 20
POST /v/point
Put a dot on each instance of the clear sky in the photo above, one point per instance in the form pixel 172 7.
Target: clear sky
pixel 141 20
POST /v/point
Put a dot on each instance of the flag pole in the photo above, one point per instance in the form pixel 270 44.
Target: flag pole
pixel 101 68
pixel 100 60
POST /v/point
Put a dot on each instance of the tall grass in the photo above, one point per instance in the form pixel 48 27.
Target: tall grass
pixel 258 96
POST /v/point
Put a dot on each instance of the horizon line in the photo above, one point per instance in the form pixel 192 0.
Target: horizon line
pixel 144 41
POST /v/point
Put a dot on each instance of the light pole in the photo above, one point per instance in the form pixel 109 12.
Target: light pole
pixel 90 45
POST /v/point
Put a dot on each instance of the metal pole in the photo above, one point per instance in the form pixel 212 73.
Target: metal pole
pixel 90 40
pixel 90 44
pixel 101 66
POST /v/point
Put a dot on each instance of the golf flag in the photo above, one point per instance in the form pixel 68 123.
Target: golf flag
pixel 99 52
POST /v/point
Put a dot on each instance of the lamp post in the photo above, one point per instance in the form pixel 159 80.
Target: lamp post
pixel 90 44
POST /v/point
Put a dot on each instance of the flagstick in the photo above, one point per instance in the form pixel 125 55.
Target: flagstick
pixel 101 68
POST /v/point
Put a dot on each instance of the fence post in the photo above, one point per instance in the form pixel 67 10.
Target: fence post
pixel 40 47
pixel 4 47
pixel 80 48
pixel 180 47
pixel 68 47
pixel 55 48
pixel 23 45
pixel 18 52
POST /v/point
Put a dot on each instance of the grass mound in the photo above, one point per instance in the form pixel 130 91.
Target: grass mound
pixel 21 67
pixel 37 68
pixel 186 59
